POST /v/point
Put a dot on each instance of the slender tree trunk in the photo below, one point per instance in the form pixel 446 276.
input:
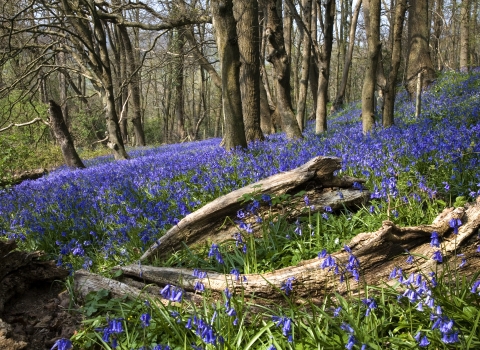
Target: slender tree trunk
pixel 371 10
pixel 246 15
pixel 63 87
pixel 324 68
pixel 437 31
pixel 281 64
pixel 228 51
pixel 63 136
pixel 391 87
pixel 133 87
pixel 464 35
pixel 340 98
pixel 178 46
pixel 419 53
pixel 306 57
pixel 267 107
pixel 313 71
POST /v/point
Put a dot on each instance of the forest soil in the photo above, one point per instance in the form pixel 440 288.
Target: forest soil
pixel 37 318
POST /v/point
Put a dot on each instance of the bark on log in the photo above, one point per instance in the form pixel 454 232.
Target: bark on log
pixel 209 222
pixel 19 270
pixel 378 253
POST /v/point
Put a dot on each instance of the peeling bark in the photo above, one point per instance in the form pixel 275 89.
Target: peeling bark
pixel 209 222
pixel 378 253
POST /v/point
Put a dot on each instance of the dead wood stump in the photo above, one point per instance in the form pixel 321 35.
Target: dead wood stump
pixel 19 270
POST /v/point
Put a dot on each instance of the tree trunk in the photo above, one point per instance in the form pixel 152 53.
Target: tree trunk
pixel 178 46
pixel 134 87
pixel 419 54
pixel 63 136
pixel 281 63
pixel 391 86
pixel 306 57
pixel 340 98
pixel 267 107
pixel 63 87
pixel 465 35
pixel 228 51
pixel 246 15
pixel 371 10
pixel 92 43
pixel 210 222
pixel 324 68
pixel 437 31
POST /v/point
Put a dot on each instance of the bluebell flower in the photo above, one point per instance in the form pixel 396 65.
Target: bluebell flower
pixel 285 323
pixel 370 304
pixel 322 254
pixel 450 338
pixel 272 347
pixel 434 240
pixel 475 287
pixel 62 344
pixel 422 340
pixel 437 256
pixel 287 285
pixel 172 293
pixel 215 252
pixel 337 311
pixel 199 274
pixel 298 228
pixel 328 262
pixel 145 318
pixel 161 347
pixel 393 274
pixel 199 287
pixel 351 342
pixel 236 273
pixel 347 328
pixel 188 325
pixel 455 224
pixel 410 259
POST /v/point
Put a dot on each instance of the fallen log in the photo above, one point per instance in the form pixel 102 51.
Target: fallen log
pixel 377 253
pixel 19 270
pixel 209 222
pixel 15 179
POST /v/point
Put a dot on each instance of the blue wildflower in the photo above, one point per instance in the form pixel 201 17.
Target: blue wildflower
pixel 475 287
pixel 437 256
pixel 145 318
pixel 199 287
pixel 455 224
pixel 215 252
pixel 62 344
pixel 199 274
pixel 337 311
pixel 434 240
pixel 351 342
pixel 172 293
pixel 347 328
pixel 287 285
pixel 236 273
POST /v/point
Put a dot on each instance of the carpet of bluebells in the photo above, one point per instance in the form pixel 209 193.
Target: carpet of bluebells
pixel 109 213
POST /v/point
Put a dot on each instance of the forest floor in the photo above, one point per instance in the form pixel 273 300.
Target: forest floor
pixel 37 318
